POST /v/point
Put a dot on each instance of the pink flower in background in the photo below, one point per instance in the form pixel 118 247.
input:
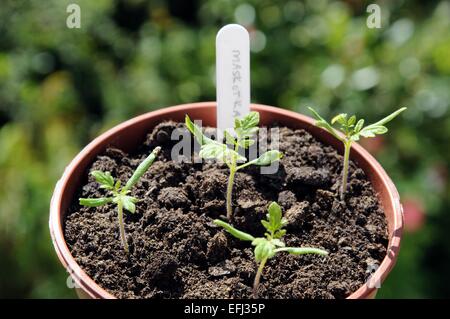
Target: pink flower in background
pixel 373 145
pixel 414 214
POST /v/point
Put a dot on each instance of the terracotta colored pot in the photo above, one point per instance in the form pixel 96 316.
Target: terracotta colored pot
pixel 129 134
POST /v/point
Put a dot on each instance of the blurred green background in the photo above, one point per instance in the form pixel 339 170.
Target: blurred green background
pixel 61 87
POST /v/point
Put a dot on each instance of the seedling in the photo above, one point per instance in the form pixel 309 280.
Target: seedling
pixel 268 246
pixel 352 130
pixel 245 129
pixel 119 195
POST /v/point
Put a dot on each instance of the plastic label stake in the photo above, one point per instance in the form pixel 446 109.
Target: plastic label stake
pixel 232 75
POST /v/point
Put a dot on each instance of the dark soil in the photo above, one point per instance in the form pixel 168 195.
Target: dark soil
pixel 177 252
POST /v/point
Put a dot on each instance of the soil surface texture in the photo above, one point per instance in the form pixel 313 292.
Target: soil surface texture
pixel 177 252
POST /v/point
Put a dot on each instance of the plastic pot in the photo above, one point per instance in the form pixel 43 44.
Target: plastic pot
pixel 129 134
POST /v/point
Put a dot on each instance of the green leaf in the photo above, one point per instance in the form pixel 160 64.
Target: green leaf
pixel 95 202
pixel 321 122
pixel 359 125
pixel 379 130
pixel 371 131
pixel 233 231
pixel 245 128
pixel 275 212
pixel 351 121
pixel 367 133
pixel 104 179
pixel 229 138
pixel 302 250
pixel 280 233
pixel 267 158
pixel 388 118
pixel 213 150
pixel 221 152
pixel 142 168
pixel 128 203
pixel 278 243
pixel 103 186
pixel 378 127
pixel 237 123
pixel 266 224
pixel 246 143
pixel 251 131
pixel 258 241
pixel 274 217
pixel 250 120
pixel 275 222
pixel 264 249
pixel 340 118
pixel 197 132
pixel 241 133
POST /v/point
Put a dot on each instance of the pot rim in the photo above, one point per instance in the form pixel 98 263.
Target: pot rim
pixel 83 281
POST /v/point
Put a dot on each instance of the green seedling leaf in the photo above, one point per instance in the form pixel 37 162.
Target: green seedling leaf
pixel 389 118
pixel 233 231
pixel 250 120
pixel 104 179
pixel 213 150
pixel 247 132
pixel 244 134
pixel 95 202
pixel 373 130
pixel 246 143
pixel 264 250
pixel 274 217
pixel 280 233
pixel 359 125
pixel 197 132
pixel 275 222
pixel 320 122
pixel 302 251
pixel 229 138
pixel 278 242
pixel 220 152
pixel 351 121
pixel 267 158
pixel 237 123
pixel 128 203
pixel 142 168
pixel 340 118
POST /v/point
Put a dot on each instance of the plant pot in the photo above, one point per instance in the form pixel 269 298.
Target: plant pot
pixel 130 134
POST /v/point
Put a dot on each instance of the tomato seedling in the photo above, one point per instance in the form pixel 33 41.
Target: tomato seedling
pixel 245 129
pixel 268 246
pixel 119 195
pixel 352 130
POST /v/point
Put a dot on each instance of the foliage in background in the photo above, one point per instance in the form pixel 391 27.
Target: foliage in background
pixel 59 88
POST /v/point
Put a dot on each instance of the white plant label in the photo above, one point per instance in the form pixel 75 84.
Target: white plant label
pixel 232 75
